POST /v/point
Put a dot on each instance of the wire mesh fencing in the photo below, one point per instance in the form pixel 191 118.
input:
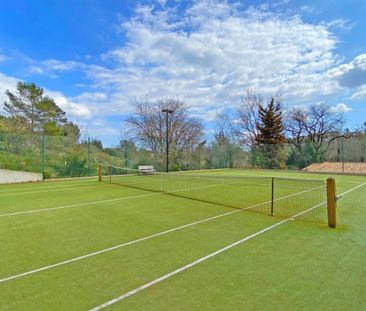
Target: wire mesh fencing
pixel 64 156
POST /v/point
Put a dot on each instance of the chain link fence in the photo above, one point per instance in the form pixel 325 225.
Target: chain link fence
pixel 60 156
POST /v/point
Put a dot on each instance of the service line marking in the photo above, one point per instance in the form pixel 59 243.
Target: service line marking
pixel 76 205
pixel 61 189
pixel 37 186
pixel 16 276
pixel 202 259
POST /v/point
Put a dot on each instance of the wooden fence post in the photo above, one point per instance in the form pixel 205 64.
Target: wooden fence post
pixel 100 171
pixel 331 202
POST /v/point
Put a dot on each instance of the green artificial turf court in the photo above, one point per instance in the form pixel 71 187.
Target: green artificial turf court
pixel 77 244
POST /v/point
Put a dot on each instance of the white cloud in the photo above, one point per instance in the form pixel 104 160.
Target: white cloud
pixel 211 53
pixel 162 2
pixel 360 94
pixel 341 107
pixel 74 110
pixel 6 83
pixel 207 55
pixel 56 65
pixel 4 58
pixel 340 24
pixel 36 70
pixel 352 74
pixel 307 9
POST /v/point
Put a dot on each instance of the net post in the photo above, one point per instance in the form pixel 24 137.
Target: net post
pixel 272 197
pixel 161 182
pixel 100 171
pixel 331 202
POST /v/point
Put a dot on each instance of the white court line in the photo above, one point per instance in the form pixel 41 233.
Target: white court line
pixel 302 177
pixel 350 190
pixel 52 190
pixel 114 247
pixel 137 241
pixel 76 205
pixel 196 262
pixel 348 181
pixel 41 187
pixel 97 202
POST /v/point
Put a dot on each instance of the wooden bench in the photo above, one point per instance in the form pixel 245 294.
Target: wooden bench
pixel 146 169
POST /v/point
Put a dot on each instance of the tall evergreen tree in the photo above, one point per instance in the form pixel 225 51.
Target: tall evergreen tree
pixel 40 111
pixel 270 138
pixel 270 128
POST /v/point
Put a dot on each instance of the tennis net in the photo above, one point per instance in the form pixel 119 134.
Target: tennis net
pixel 282 197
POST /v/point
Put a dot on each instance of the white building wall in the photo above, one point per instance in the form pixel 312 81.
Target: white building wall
pixel 9 177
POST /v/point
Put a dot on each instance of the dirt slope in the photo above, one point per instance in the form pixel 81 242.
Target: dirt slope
pixel 349 167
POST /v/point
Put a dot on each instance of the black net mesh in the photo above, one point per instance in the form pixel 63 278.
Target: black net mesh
pixel 281 197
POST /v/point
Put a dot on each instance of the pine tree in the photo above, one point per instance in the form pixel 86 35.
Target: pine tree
pixel 270 138
pixel 40 111
pixel 270 130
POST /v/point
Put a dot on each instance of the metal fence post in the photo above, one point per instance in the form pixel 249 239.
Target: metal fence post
pixel 272 197
pixel 42 155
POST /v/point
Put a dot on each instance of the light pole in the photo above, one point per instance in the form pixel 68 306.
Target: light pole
pixel 167 112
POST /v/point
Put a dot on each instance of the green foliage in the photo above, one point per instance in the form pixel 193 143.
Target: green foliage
pixel 95 142
pixel 220 155
pixel 303 155
pixel 270 138
pixel 270 128
pixel 257 158
pixel 328 264
pixel 51 128
pixel 75 165
pixel 40 111
pixel 71 130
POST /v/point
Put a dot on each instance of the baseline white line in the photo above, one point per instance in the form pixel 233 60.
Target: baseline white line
pixel 52 190
pixel 137 240
pixel 196 262
pixel 76 205
pixel 36 186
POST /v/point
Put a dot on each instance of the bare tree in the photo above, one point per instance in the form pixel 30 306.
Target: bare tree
pixel 317 124
pixel 148 125
pixel 223 128
pixel 246 129
pixel 246 126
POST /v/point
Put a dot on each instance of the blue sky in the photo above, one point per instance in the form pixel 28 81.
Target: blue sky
pixel 96 58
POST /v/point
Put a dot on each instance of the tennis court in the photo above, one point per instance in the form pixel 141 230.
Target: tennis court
pixel 214 240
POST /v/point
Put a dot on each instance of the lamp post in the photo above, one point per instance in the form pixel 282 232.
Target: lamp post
pixel 167 112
